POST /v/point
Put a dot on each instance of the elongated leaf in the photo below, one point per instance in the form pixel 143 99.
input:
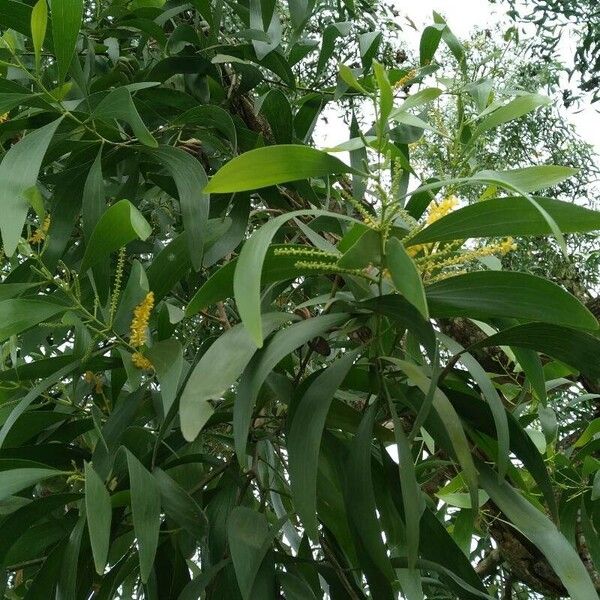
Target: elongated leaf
pixel 93 204
pixel 14 480
pixel 173 262
pixel 180 506
pixel 493 399
pixel 485 294
pixel 33 395
pixel 66 22
pixel 412 497
pixel 39 23
pixel 283 342
pixel 119 105
pixel 18 173
pixel 118 226
pixel 304 439
pixel 360 496
pixel 218 370
pixel 571 346
pixel 19 314
pixel 190 180
pixel 512 110
pixel 145 507
pixel 542 532
pixel 249 539
pixel 430 40
pixel 272 165
pixel 527 179
pixel 508 216
pixel 167 358
pixel 98 512
pixel 405 275
pixel 451 422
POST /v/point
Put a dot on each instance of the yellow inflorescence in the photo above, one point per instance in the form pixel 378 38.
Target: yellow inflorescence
pixel 3 118
pixel 139 323
pixel 437 211
pixel 39 235
pixel 141 362
pixel 404 80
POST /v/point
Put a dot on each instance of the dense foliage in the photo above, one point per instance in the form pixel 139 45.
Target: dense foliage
pixel 235 366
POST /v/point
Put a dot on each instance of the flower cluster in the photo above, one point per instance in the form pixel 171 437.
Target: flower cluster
pixel 139 323
pixel 39 235
pixel 404 80
pixel 141 362
pixel 437 211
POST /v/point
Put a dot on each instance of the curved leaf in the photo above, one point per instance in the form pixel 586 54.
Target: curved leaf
pixel 484 294
pixel 118 226
pixel 272 165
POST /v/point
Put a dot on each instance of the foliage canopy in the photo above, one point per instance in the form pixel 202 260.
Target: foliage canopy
pixel 236 366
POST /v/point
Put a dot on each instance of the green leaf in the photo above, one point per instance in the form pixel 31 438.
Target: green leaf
pixel 93 203
pixel 430 40
pixel 527 179
pixel 180 506
pixel 273 165
pixel 249 540
pixel 14 480
pixel 190 180
pixel 145 508
pixel 304 439
pixel 512 110
pixel 386 96
pixel 348 77
pixel 118 226
pixel 173 262
pixel 39 23
pixel 493 399
pixel 248 270
pixel 451 423
pixel 282 343
pixel 535 526
pixel 33 394
pixel 119 105
pixel 360 496
pixel 18 173
pixel 485 294
pixel 412 497
pixel 405 276
pixel 217 371
pixel 508 216
pixel 98 512
pixel 20 314
pixel 571 346
pixel 209 115
pixel 66 22
pixel 167 358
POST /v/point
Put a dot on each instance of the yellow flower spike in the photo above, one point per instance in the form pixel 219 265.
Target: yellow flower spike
pixel 404 80
pixel 3 118
pixel 39 235
pixel 141 362
pixel 139 323
pixel 507 245
pixel 437 211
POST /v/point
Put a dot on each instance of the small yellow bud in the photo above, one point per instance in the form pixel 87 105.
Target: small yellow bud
pixel 39 235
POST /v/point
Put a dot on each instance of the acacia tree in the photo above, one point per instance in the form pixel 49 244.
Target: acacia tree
pixel 227 367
